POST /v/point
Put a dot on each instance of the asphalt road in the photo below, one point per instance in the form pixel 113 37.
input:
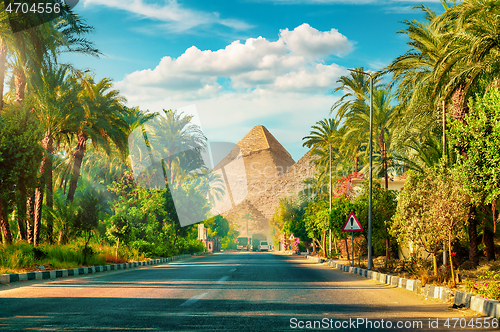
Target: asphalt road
pixel 227 291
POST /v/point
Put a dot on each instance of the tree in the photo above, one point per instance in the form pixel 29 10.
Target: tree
pixel 54 97
pixel 20 157
pixel 341 208
pixel 44 41
pixel 120 228
pixel 472 32
pixel 478 134
pixel 317 222
pixel 412 225
pixel 209 184
pixel 432 210
pixel 356 87
pixel 384 203
pixel 103 123
pixel 218 226
pixel 324 137
pixel 357 122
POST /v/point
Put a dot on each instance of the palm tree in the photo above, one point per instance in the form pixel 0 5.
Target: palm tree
pixel 103 123
pixel 471 53
pixel 325 135
pixel 174 139
pixel 54 95
pixel 31 48
pixel 210 184
pixel 357 123
pixel 355 87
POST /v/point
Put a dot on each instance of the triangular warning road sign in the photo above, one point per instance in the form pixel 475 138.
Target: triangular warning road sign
pixel 352 224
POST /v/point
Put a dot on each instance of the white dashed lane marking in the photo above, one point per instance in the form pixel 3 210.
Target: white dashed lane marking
pixel 194 299
pixel 223 279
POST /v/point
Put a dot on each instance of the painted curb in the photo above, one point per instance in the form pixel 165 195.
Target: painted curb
pixel 481 305
pixel 53 274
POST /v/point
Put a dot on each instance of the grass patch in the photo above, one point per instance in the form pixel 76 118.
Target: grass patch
pixel 23 257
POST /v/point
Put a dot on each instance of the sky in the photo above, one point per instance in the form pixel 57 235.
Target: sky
pixel 235 64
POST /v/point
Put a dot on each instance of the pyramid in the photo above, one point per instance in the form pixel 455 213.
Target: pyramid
pixel 270 173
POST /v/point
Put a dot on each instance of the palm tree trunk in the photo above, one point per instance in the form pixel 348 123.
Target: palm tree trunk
pixel 21 217
pixel 20 84
pixel 459 109
pixel 50 198
pixel 81 148
pixel 488 241
pixel 4 223
pixel 473 241
pixel 324 243
pixel 45 165
pixel 3 63
pixel 386 178
pixel 30 206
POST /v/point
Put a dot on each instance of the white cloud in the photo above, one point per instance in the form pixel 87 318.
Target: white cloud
pixel 257 81
pixel 321 78
pixel 305 40
pixel 173 16
pixel 290 64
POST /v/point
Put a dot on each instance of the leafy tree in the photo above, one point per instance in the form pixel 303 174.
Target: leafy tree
pixel 20 156
pixel 87 219
pixel 324 137
pixel 479 134
pixel 317 222
pixel 229 241
pixel 384 203
pixel 55 91
pixel 120 229
pixel 432 211
pixel 341 208
pixel 102 121
pixel 218 226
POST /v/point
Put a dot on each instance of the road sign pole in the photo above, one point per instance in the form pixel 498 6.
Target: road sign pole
pixel 352 245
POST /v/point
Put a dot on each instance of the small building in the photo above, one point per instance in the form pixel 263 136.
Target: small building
pixel 212 243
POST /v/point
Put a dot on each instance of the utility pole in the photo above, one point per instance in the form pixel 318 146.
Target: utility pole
pixel 370 259
pixel 444 160
pixel 330 211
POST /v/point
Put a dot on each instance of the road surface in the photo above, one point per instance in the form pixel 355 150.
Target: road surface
pixel 235 291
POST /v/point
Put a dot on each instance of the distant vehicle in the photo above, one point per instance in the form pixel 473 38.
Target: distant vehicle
pixel 264 246
pixel 255 244
pixel 242 243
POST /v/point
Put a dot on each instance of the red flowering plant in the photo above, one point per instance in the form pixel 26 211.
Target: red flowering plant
pixel 344 186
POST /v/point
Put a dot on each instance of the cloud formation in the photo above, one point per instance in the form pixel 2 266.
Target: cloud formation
pixel 293 63
pixel 280 84
pixel 171 15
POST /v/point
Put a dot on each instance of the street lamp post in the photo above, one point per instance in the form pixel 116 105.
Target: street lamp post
pixel 370 262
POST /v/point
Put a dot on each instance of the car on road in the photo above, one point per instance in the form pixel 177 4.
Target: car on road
pixel 264 246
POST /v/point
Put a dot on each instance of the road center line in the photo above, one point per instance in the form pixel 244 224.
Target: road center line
pixel 223 279
pixel 194 299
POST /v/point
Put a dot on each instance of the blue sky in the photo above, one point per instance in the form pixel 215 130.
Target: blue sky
pixel 240 63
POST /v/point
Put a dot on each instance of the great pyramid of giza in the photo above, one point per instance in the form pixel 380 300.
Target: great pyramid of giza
pixel 269 174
